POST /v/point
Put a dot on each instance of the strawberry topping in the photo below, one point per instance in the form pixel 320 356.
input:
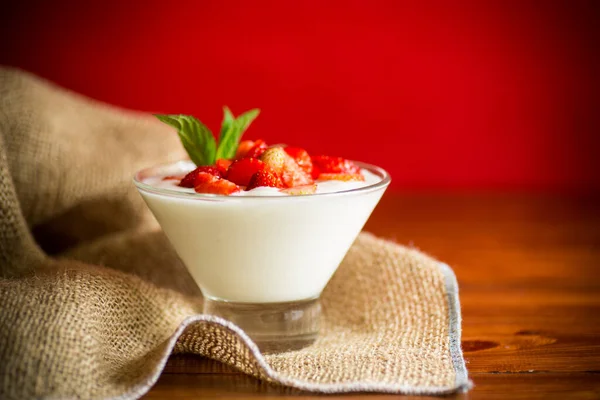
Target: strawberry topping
pixel 265 177
pixel 204 177
pixel 293 175
pixel 291 169
pixel 243 148
pixel 222 165
pixel 257 149
pixel 301 157
pixel 207 183
pixel 274 158
pixel 242 170
pixel 342 177
pixel 189 181
pixel 227 165
pixel 333 165
pixel 284 165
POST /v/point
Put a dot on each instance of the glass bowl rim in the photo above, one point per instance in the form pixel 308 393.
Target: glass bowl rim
pixel 137 180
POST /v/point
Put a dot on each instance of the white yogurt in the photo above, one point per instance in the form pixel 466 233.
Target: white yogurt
pixel 276 248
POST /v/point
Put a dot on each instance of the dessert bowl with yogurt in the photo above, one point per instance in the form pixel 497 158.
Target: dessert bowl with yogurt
pixel 262 229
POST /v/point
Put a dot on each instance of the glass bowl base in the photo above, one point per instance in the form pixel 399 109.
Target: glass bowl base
pixel 274 327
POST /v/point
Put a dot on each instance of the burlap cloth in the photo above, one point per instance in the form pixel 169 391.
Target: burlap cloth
pixel 93 299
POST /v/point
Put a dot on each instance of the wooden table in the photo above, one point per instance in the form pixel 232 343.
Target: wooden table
pixel 529 273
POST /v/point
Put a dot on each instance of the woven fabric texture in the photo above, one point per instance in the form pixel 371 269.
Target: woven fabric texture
pixel 93 299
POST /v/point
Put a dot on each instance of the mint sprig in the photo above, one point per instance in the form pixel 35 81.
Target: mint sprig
pixel 232 130
pixel 196 138
pixel 199 141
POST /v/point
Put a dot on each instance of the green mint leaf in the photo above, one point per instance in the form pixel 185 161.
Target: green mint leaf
pixel 196 138
pixel 227 127
pixel 232 130
pixel 228 121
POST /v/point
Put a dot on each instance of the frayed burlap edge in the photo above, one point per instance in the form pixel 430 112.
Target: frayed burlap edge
pixel 461 383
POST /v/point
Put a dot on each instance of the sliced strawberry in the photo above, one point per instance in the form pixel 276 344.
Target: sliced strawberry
pixel 275 158
pixel 333 165
pixel 264 177
pixel 214 185
pixel 301 157
pixel 222 165
pixel 284 165
pixel 293 175
pixel 301 190
pixel 242 170
pixel 189 181
pixel 257 149
pixel 205 177
pixel 341 177
pixel 243 148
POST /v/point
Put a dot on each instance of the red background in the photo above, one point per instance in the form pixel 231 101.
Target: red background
pixel 445 95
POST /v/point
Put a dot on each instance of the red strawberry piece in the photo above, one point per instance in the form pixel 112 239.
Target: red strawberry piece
pixel 274 158
pixel 301 190
pixel 189 181
pixel 205 177
pixel 243 148
pixel 265 177
pixel 333 165
pixel 259 147
pixel 302 158
pixel 213 185
pixel 240 172
pixel 315 172
pixel 222 165
pixel 284 165
pixel 293 175
pixel 342 177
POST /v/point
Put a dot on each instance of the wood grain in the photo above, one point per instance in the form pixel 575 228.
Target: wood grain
pixel 528 268
pixel 488 386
